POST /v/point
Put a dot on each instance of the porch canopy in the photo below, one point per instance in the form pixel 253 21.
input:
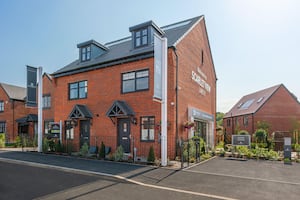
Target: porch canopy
pixel 120 109
pixel 28 118
pixel 80 112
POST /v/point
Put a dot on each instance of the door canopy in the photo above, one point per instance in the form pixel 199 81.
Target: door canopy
pixel 80 112
pixel 120 109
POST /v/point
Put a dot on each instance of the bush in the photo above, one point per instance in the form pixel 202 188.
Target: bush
pixel 2 140
pixel 243 132
pixel 151 156
pixel 45 145
pixel 84 150
pixel 260 135
pixel 102 151
pixel 119 154
pixel 242 150
pixel 59 147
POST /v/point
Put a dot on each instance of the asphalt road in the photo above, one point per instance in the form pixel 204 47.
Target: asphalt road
pixel 72 178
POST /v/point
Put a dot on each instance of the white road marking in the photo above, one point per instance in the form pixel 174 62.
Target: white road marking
pixel 243 177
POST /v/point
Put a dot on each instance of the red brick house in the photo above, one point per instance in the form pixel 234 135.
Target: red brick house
pixel 107 94
pixel 276 106
pixel 15 117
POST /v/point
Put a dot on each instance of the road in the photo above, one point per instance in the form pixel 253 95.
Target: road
pixel 58 177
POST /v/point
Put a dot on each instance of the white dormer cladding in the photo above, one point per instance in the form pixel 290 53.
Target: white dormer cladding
pixel 142 35
pixel 90 49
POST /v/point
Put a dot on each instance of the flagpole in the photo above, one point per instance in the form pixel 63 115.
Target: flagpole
pixel 40 110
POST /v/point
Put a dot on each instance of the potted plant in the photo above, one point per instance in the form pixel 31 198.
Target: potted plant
pixel 188 124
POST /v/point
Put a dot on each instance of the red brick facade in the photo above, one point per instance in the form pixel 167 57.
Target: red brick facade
pixel 14 109
pixel 104 87
pixel 280 111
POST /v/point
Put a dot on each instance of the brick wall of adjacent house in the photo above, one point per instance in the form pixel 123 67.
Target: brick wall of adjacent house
pixel 13 110
pixel 280 111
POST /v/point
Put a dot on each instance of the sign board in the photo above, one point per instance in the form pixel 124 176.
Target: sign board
pixel 287 148
pixel 241 140
pixel 54 129
pixel 31 86
pixel 158 66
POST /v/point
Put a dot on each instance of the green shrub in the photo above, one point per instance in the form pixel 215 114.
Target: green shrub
pixel 260 135
pixel 119 154
pixel 272 155
pixel 2 140
pixel 102 151
pixel 84 150
pixel 220 145
pixel 151 156
pixel 18 141
pixel 45 147
pixel 58 147
pixel 242 150
pixel 243 132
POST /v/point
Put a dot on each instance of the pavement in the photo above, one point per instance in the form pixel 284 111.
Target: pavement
pixel 218 178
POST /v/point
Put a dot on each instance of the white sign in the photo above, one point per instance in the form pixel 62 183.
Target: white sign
pixel 204 86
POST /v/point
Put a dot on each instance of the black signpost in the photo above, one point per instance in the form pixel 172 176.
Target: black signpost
pixel 287 150
pixel 54 129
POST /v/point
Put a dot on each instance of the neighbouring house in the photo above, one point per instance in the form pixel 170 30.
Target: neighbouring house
pixel 15 117
pixel 276 106
pixel 106 95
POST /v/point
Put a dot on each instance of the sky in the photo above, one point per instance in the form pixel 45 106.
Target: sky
pixel 254 43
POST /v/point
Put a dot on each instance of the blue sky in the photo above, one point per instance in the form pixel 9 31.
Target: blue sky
pixel 254 43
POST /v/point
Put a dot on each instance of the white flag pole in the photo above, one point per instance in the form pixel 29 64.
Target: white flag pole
pixel 164 112
pixel 40 110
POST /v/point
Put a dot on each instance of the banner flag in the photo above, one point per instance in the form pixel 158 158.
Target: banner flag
pixel 31 99
pixel 158 67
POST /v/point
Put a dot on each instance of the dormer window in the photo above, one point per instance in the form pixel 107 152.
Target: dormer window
pixel 91 49
pixel 141 37
pixel 86 53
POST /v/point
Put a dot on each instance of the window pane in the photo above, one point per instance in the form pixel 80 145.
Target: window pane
pixel 151 134
pixel 144 134
pixel 73 94
pixel 144 32
pixel 128 76
pixel 73 85
pixel 144 40
pixel 137 34
pixel 83 92
pixel 137 42
pixel 128 86
pixel 142 74
pixel 142 83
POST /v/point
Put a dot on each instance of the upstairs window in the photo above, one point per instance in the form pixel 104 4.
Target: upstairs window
pixel 47 101
pixel 135 81
pixel 86 53
pixel 1 106
pixel 78 90
pixel 141 37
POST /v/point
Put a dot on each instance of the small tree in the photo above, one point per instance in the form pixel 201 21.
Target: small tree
pixel 2 140
pixel 151 156
pixel 260 135
pixel 84 150
pixel 119 153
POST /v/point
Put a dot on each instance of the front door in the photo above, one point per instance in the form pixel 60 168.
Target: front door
pixel 124 134
pixel 84 132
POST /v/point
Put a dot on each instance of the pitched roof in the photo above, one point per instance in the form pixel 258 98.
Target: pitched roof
pixel 252 102
pixel 14 92
pixel 121 51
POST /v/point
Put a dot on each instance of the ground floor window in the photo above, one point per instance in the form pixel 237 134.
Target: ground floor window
pixel 200 129
pixel 147 128
pixel 2 127
pixel 69 130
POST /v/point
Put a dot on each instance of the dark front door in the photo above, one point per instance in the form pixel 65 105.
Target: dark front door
pixel 124 134
pixel 84 132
